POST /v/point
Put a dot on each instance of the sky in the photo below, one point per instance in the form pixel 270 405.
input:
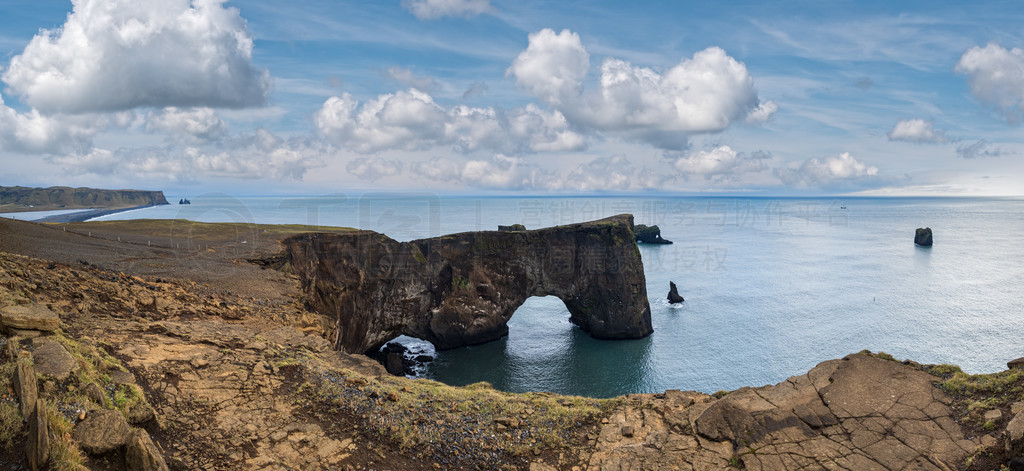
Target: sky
pixel 255 97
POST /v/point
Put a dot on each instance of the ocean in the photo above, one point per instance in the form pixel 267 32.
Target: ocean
pixel 773 286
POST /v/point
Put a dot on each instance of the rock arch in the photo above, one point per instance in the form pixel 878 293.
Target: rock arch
pixel 462 289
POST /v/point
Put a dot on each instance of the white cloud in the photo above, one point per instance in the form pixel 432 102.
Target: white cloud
pixel 917 130
pixel 121 54
pixel 438 169
pixel 839 171
pixel 374 168
pixel 703 94
pixel 411 120
pixel 407 78
pixel 980 149
pixel 192 125
pixel 721 164
pixel 601 174
pixel 251 156
pixel 996 78
pixel 34 133
pixel 499 172
pixel 433 9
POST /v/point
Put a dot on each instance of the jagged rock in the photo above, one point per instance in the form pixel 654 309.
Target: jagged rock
pixel 514 227
pixel 393 363
pixel 923 237
pixel 649 234
pixel 1015 363
pixel 29 317
pixel 53 360
pixel 102 431
pixel 27 388
pixel 141 413
pixel 1014 435
pixel 38 447
pixel 141 454
pixel 95 392
pixel 462 289
pixel 673 294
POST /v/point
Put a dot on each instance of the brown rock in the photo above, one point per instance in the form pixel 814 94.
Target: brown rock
pixel 1015 363
pixel 27 388
pixel 121 377
pixel 994 415
pixel 38 447
pixel 141 454
pixel 1014 435
pixel 101 432
pixel 53 360
pixel 141 413
pixel 95 392
pixel 627 430
pixel 29 317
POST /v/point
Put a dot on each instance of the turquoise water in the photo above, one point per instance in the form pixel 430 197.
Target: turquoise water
pixel 772 286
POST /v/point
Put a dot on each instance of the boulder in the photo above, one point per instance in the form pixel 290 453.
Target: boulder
pixel 53 360
pixel 1015 363
pixel 923 237
pixel 27 388
pixel 38 446
pixel 29 317
pixel 95 392
pixel 141 413
pixel 141 454
pixel 393 363
pixel 101 432
pixel 673 294
pixel 1014 435
pixel 649 234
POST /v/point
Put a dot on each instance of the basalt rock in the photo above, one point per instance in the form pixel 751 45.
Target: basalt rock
pixel 673 294
pixel 923 237
pixel 462 289
pixel 649 235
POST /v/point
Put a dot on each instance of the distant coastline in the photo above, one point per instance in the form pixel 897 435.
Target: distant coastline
pixel 21 199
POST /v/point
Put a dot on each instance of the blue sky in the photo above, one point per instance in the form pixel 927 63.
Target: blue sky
pixel 486 96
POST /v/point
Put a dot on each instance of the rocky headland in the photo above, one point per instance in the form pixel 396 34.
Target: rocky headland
pixel 160 345
pixel 18 198
pixel 462 289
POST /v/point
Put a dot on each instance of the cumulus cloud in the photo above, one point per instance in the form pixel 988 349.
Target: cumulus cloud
pixel 434 9
pixel 120 54
pixel 411 120
pixel 996 78
pixel 407 78
pixel 192 125
pixel 840 171
pixel 258 155
pixel 35 133
pixel 980 149
pixel 499 172
pixel 917 130
pixel 720 165
pixel 374 168
pixel 601 174
pixel 702 94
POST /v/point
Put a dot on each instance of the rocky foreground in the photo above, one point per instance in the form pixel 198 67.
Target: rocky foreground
pixel 137 366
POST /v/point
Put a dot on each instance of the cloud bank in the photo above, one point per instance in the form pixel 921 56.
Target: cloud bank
pixel 836 172
pixel 115 55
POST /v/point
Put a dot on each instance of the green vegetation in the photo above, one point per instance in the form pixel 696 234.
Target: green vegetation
pixel 10 414
pixel 64 452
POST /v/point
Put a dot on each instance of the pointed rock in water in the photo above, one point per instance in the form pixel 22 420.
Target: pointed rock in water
pixel 923 237
pixel 673 294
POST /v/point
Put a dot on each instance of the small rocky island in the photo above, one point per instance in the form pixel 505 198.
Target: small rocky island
pixel 923 237
pixel 649 235
pixel 462 289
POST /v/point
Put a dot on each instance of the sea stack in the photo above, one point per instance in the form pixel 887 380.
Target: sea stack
pixel 649 234
pixel 673 294
pixel 923 237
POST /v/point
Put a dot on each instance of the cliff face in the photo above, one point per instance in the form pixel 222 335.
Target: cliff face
pixel 64 197
pixel 462 289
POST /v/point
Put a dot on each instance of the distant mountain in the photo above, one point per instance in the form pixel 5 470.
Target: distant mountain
pixel 19 198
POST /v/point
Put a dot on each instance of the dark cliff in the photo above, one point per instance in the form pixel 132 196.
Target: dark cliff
pixel 59 197
pixel 462 289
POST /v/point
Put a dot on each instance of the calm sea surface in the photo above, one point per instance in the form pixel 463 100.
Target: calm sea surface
pixel 772 286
